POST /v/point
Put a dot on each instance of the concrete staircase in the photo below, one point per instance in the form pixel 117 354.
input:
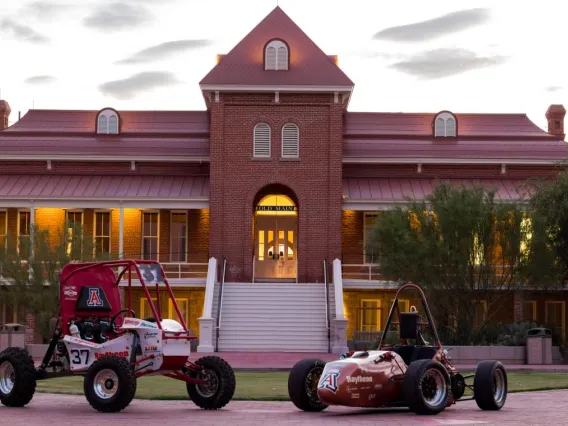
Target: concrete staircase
pixel 273 317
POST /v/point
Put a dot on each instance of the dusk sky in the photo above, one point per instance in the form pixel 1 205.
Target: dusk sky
pixel 410 56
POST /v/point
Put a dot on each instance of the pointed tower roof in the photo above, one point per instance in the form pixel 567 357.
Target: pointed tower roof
pixel 309 68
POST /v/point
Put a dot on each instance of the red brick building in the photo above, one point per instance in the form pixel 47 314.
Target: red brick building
pixel 275 176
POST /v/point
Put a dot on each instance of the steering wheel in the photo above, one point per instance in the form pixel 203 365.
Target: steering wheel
pixel 114 327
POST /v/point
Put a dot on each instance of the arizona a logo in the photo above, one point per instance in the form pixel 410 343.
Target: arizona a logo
pixel 329 381
pixel 94 298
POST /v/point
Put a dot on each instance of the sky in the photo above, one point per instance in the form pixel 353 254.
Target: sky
pixel 492 56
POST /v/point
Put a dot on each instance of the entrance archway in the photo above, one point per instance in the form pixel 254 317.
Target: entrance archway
pixel 275 235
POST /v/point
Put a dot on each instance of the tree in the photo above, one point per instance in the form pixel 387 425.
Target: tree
pixel 550 204
pixel 30 278
pixel 462 246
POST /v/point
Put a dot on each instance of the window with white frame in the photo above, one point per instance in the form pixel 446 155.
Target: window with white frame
pixel 74 225
pixel 178 237
pixel 150 244
pixel 370 319
pixel 290 141
pixel 276 56
pixel 261 140
pixel 24 228
pixel 102 233
pixel 368 228
pixel 445 125
pixel 3 228
pixel 107 122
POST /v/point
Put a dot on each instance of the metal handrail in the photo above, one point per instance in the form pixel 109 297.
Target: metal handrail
pixel 327 319
pixel 220 304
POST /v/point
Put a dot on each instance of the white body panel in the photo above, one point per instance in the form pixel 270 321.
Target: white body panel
pixel 82 353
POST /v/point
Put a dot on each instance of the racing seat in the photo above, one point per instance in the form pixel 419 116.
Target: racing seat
pixel 410 329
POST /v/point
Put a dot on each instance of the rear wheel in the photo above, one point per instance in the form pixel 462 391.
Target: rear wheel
pixel 490 385
pixel 110 384
pixel 219 386
pixel 17 377
pixel 426 387
pixel 303 384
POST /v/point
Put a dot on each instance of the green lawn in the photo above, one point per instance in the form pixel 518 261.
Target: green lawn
pixel 273 386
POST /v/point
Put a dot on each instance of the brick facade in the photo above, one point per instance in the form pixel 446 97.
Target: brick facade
pixel 314 180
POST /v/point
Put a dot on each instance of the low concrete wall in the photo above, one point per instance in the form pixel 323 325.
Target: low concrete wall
pixel 506 354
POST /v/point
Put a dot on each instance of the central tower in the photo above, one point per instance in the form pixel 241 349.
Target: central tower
pixel 276 104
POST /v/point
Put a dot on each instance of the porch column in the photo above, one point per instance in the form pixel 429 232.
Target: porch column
pixel 121 234
pixel 32 230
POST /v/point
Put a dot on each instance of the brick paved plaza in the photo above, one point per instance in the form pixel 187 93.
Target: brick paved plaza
pixel 535 408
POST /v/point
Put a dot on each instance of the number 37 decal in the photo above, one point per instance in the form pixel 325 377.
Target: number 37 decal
pixel 80 356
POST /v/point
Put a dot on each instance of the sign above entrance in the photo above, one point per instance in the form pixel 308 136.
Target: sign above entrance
pixel 276 208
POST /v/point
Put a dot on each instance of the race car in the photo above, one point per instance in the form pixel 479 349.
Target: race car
pixel 111 348
pixel 411 374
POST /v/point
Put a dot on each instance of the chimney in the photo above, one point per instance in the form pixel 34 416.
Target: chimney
pixel 5 111
pixel 555 115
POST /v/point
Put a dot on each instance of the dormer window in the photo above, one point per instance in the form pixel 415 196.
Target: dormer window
pixel 276 56
pixel 445 125
pixel 107 122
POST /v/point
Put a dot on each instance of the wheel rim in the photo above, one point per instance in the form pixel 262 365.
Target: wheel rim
pixel 312 380
pixel 499 386
pixel 433 385
pixel 106 384
pixel 7 377
pixel 211 385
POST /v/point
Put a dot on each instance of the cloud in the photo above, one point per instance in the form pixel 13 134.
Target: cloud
pixel 128 88
pixel 44 9
pixel 445 62
pixel 118 16
pixel 40 79
pixel 22 32
pixel 435 28
pixel 158 52
pixel 554 88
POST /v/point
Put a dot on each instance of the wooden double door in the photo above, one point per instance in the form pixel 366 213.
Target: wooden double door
pixel 275 247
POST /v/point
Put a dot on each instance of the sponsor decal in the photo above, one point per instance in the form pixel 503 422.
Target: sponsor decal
pixel 355 396
pixel 151 349
pixel 94 299
pixel 129 321
pixel 123 354
pixel 70 292
pixel 150 335
pixel 378 386
pixel 329 381
pixel 372 396
pixel 359 379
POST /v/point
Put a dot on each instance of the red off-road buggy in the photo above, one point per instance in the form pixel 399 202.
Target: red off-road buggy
pixel 95 339
pixel 412 374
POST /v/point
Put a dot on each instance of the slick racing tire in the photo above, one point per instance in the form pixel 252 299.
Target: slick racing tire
pixel 426 387
pixel 303 384
pixel 219 386
pixel 17 377
pixel 110 384
pixel 490 385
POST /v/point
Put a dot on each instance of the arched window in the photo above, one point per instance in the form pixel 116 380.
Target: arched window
pixel 290 141
pixel 261 140
pixel 108 122
pixel 276 56
pixel 445 125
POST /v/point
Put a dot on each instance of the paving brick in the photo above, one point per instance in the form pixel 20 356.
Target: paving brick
pixel 534 408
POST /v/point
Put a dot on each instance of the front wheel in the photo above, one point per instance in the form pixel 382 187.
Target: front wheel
pixel 219 386
pixel 490 385
pixel 17 377
pixel 110 384
pixel 426 387
pixel 303 384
